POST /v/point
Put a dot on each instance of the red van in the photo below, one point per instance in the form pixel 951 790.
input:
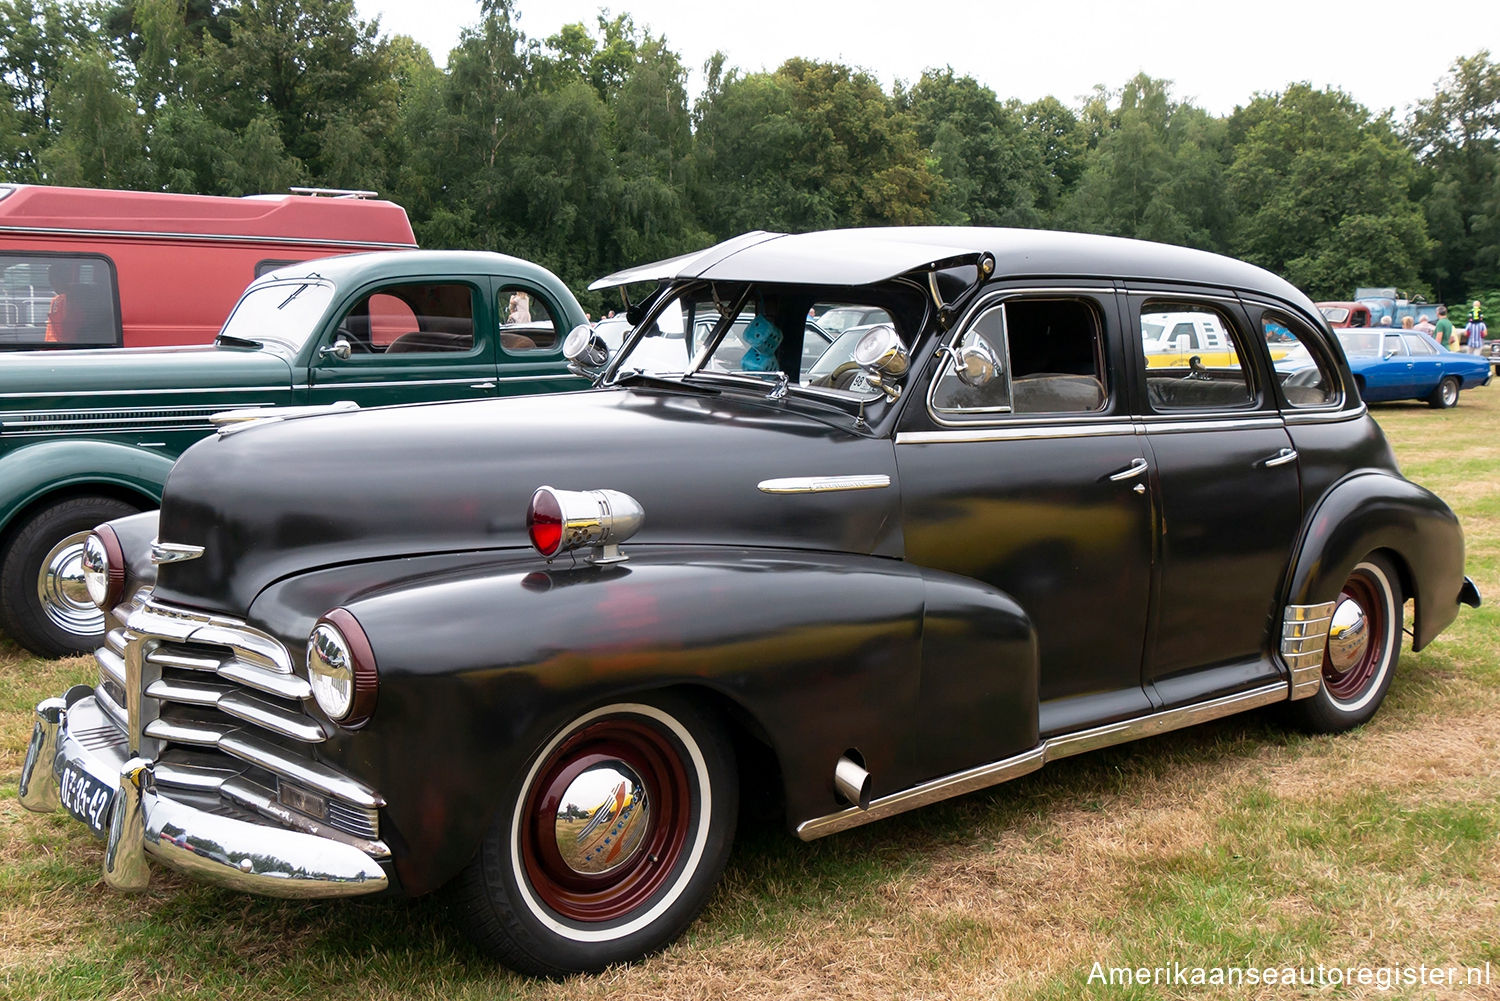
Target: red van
pixel 83 267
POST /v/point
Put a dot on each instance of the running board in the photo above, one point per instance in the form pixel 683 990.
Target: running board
pixel 1052 749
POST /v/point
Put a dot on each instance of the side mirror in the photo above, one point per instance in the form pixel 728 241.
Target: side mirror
pixel 586 351
pixel 883 357
pixel 340 349
pixel 975 362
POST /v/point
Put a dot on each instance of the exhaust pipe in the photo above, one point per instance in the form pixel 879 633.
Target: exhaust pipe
pixel 852 782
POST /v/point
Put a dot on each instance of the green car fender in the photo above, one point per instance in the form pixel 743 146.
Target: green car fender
pixel 33 472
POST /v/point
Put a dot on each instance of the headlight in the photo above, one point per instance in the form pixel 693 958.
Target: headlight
pixel 103 566
pixel 341 669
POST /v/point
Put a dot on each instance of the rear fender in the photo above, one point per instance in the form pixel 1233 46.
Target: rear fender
pixel 1377 510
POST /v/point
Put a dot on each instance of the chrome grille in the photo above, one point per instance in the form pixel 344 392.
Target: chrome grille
pixel 219 711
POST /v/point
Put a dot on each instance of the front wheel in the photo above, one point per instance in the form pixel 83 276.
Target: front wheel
pixel 44 605
pixel 609 844
pixel 1445 395
pixel 1359 658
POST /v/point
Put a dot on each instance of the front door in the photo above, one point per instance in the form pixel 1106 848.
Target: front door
pixel 1036 483
pixel 409 342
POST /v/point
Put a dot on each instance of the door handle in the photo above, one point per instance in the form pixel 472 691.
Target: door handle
pixel 1281 458
pixel 1137 467
pixel 482 385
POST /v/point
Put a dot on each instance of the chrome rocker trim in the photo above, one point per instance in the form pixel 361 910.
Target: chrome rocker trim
pixel 256 858
pixel 1051 749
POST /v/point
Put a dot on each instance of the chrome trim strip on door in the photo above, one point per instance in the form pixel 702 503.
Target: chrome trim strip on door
pixel 822 484
pixel 1052 749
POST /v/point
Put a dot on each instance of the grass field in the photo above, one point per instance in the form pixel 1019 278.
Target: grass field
pixel 1233 844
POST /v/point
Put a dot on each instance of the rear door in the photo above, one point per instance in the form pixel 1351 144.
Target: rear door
pixel 1225 476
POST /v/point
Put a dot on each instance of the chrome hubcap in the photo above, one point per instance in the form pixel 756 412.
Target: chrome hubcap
pixel 1348 635
pixel 602 818
pixel 63 593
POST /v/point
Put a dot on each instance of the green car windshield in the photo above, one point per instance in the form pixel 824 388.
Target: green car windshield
pixel 283 313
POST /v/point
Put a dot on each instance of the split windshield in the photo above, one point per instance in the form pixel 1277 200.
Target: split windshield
pixel 766 331
pixel 284 313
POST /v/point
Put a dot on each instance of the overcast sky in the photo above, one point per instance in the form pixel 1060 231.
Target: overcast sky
pixel 1385 54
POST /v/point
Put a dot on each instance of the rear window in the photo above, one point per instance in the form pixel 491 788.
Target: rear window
pixel 57 301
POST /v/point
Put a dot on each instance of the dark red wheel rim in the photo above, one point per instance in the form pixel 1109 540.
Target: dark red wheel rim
pixel 632 880
pixel 1348 683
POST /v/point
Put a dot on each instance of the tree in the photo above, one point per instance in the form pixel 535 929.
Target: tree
pixel 994 168
pixel 1456 134
pixel 810 146
pixel 1324 193
pixel 1154 172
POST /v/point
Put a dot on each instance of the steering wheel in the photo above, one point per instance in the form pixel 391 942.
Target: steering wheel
pixel 832 378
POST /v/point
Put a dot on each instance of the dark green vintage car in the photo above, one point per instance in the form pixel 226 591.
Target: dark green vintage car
pixel 86 436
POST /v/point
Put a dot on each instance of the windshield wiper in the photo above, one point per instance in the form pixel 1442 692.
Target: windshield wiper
pixel 230 340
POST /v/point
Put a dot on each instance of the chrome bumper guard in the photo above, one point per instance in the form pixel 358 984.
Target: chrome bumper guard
pixel 1304 635
pixel 271 861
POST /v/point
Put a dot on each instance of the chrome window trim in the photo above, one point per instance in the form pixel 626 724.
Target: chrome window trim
pixel 1321 416
pixel 1051 749
pixel 985 302
pixel 210 238
pixel 1171 424
pixel 976 432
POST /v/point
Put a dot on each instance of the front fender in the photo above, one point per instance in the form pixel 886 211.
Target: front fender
pixel 1375 510
pixel 815 652
pixel 33 471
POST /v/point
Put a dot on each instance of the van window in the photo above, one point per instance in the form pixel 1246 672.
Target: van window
pixel 57 300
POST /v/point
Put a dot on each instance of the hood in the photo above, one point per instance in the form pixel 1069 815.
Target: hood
pixel 128 376
pixel 283 498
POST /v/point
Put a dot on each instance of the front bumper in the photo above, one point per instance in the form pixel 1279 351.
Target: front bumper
pixel 73 731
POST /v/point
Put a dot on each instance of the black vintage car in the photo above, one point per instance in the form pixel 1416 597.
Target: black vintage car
pixel 519 648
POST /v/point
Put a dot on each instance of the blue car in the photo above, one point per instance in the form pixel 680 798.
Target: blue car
pixel 1397 364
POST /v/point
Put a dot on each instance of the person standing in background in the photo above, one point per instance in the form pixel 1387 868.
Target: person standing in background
pixel 1444 329
pixel 1476 329
pixel 1425 324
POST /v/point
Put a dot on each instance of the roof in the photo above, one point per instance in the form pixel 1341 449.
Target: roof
pixel 863 256
pixel 287 218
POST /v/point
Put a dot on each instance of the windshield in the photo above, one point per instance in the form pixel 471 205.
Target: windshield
pixel 1359 342
pixel 765 331
pixel 1335 314
pixel 284 313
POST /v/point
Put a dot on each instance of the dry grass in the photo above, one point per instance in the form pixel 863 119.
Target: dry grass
pixel 1234 843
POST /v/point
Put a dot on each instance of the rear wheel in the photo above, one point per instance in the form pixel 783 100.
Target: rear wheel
pixel 609 844
pixel 1359 658
pixel 44 605
pixel 1445 395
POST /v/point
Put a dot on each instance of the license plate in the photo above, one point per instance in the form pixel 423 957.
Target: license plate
pixel 86 798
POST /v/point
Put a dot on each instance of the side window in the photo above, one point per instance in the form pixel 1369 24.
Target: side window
pixel 412 319
pixel 1301 367
pixel 1391 345
pixel 52 300
pixel 1026 356
pixel 1417 345
pixel 267 266
pixel 528 322
pixel 1213 378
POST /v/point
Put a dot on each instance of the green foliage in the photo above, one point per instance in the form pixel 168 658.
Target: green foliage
pixel 1323 191
pixel 584 152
